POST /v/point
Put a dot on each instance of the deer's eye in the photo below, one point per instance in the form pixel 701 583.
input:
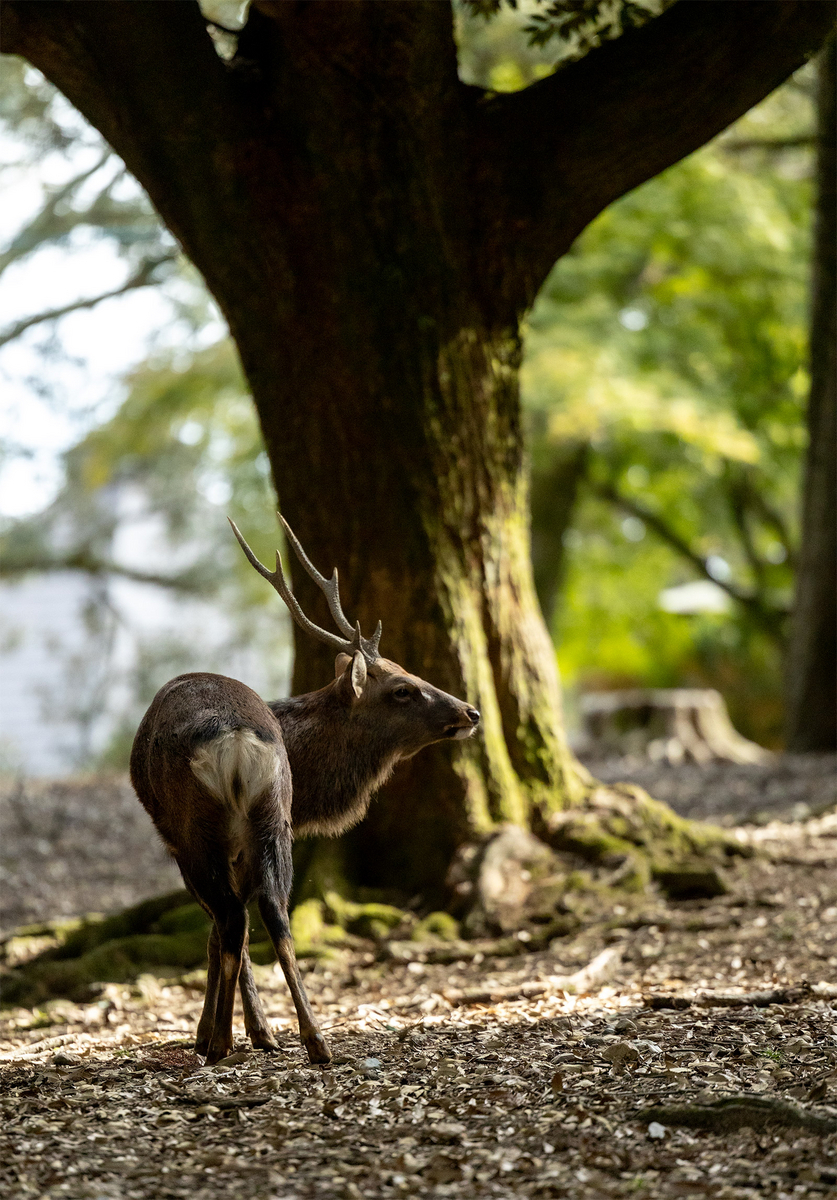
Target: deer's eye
pixel 402 693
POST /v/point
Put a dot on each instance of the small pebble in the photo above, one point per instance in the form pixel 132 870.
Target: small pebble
pixel 625 1025
pixel 62 1058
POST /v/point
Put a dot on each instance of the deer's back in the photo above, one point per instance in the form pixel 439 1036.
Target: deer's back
pixel 207 750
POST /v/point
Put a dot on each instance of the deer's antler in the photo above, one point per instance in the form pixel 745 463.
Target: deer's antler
pixel 330 589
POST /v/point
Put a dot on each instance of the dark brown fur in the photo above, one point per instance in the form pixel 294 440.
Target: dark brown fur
pixel 213 765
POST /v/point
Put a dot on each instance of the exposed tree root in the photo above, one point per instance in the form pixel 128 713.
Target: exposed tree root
pixel 730 1113
pixel 761 999
pixel 598 971
pixel 509 883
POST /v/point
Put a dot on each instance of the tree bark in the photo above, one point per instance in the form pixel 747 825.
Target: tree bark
pixel 373 230
pixel 812 652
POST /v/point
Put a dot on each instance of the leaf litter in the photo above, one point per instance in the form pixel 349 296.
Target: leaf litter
pixel 701 1062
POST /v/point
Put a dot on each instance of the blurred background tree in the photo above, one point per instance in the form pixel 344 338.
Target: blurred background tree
pixel 812 657
pixel 665 382
pixel 159 459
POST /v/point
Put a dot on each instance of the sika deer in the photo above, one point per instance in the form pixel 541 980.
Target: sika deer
pixel 228 779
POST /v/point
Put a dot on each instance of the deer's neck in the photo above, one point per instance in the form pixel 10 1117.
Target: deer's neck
pixel 336 767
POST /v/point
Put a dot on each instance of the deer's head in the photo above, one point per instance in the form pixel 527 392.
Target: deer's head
pixel 385 702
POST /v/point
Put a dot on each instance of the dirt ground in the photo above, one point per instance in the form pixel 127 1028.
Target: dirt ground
pixel 74 846
pixel 484 1078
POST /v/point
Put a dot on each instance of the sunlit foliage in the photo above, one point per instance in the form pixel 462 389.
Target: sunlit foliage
pixel 671 342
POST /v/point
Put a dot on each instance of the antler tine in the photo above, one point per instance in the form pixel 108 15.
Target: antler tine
pixel 375 639
pixel 277 580
pixel 329 587
pixel 367 646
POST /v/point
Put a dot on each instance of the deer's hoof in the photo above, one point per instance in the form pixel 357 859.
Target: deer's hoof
pixel 215 1053
pixel 264 1041
pixel 317 1047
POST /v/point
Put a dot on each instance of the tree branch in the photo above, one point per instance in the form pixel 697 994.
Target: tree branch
pixel 769 618
pixel 143 277
pixel 803 141
pixel 104 214
pixel 564 148
pixel 43 226
pixel 193 582
pixel 146 75
pixel 737 495
pixel 775 521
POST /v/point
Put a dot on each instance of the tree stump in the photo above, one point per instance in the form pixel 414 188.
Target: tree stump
pixel 674 725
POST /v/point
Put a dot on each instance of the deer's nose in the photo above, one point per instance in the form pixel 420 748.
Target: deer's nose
pixel 473 716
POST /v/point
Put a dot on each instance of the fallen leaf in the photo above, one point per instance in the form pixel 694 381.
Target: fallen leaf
pixel 232 1060
pixel 620 1052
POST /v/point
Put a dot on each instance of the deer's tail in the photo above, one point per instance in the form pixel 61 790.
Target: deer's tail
pixel 237 768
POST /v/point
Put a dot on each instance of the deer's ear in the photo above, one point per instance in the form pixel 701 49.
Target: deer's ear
pixel 358 673
pixel 351 675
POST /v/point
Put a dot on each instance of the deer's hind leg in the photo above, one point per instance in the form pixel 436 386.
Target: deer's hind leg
pixel 227 943
pixel 255 1018
pixel 231 923
pixel 273 837
pixel 206 1024
pixel 274 913
pixel 213 973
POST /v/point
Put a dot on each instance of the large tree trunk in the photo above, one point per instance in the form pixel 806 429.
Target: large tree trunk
pixel 414 484
pixel 812 650
pixel 393 426
pixel 373 231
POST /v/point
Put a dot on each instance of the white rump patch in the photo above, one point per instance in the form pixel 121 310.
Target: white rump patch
pixel 236 767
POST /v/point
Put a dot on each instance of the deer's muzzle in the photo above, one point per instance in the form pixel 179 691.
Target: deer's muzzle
pixel 465 727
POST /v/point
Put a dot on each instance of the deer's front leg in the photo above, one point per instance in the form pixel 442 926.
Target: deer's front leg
pixel 275 918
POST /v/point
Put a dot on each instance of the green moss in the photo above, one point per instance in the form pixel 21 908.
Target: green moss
pixel 114 962
pixel 623 825
pixel 476 793
pixel 60 928
pixel 137 919
pixel 313 936
pixel 319 867
pixel 185 919
pixel 493 790
pixel 364 920
pixel 262 953
pixel 633 875
pixel 437 925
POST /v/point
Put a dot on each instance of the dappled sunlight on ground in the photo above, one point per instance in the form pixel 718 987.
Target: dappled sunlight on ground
pixel 551 1094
